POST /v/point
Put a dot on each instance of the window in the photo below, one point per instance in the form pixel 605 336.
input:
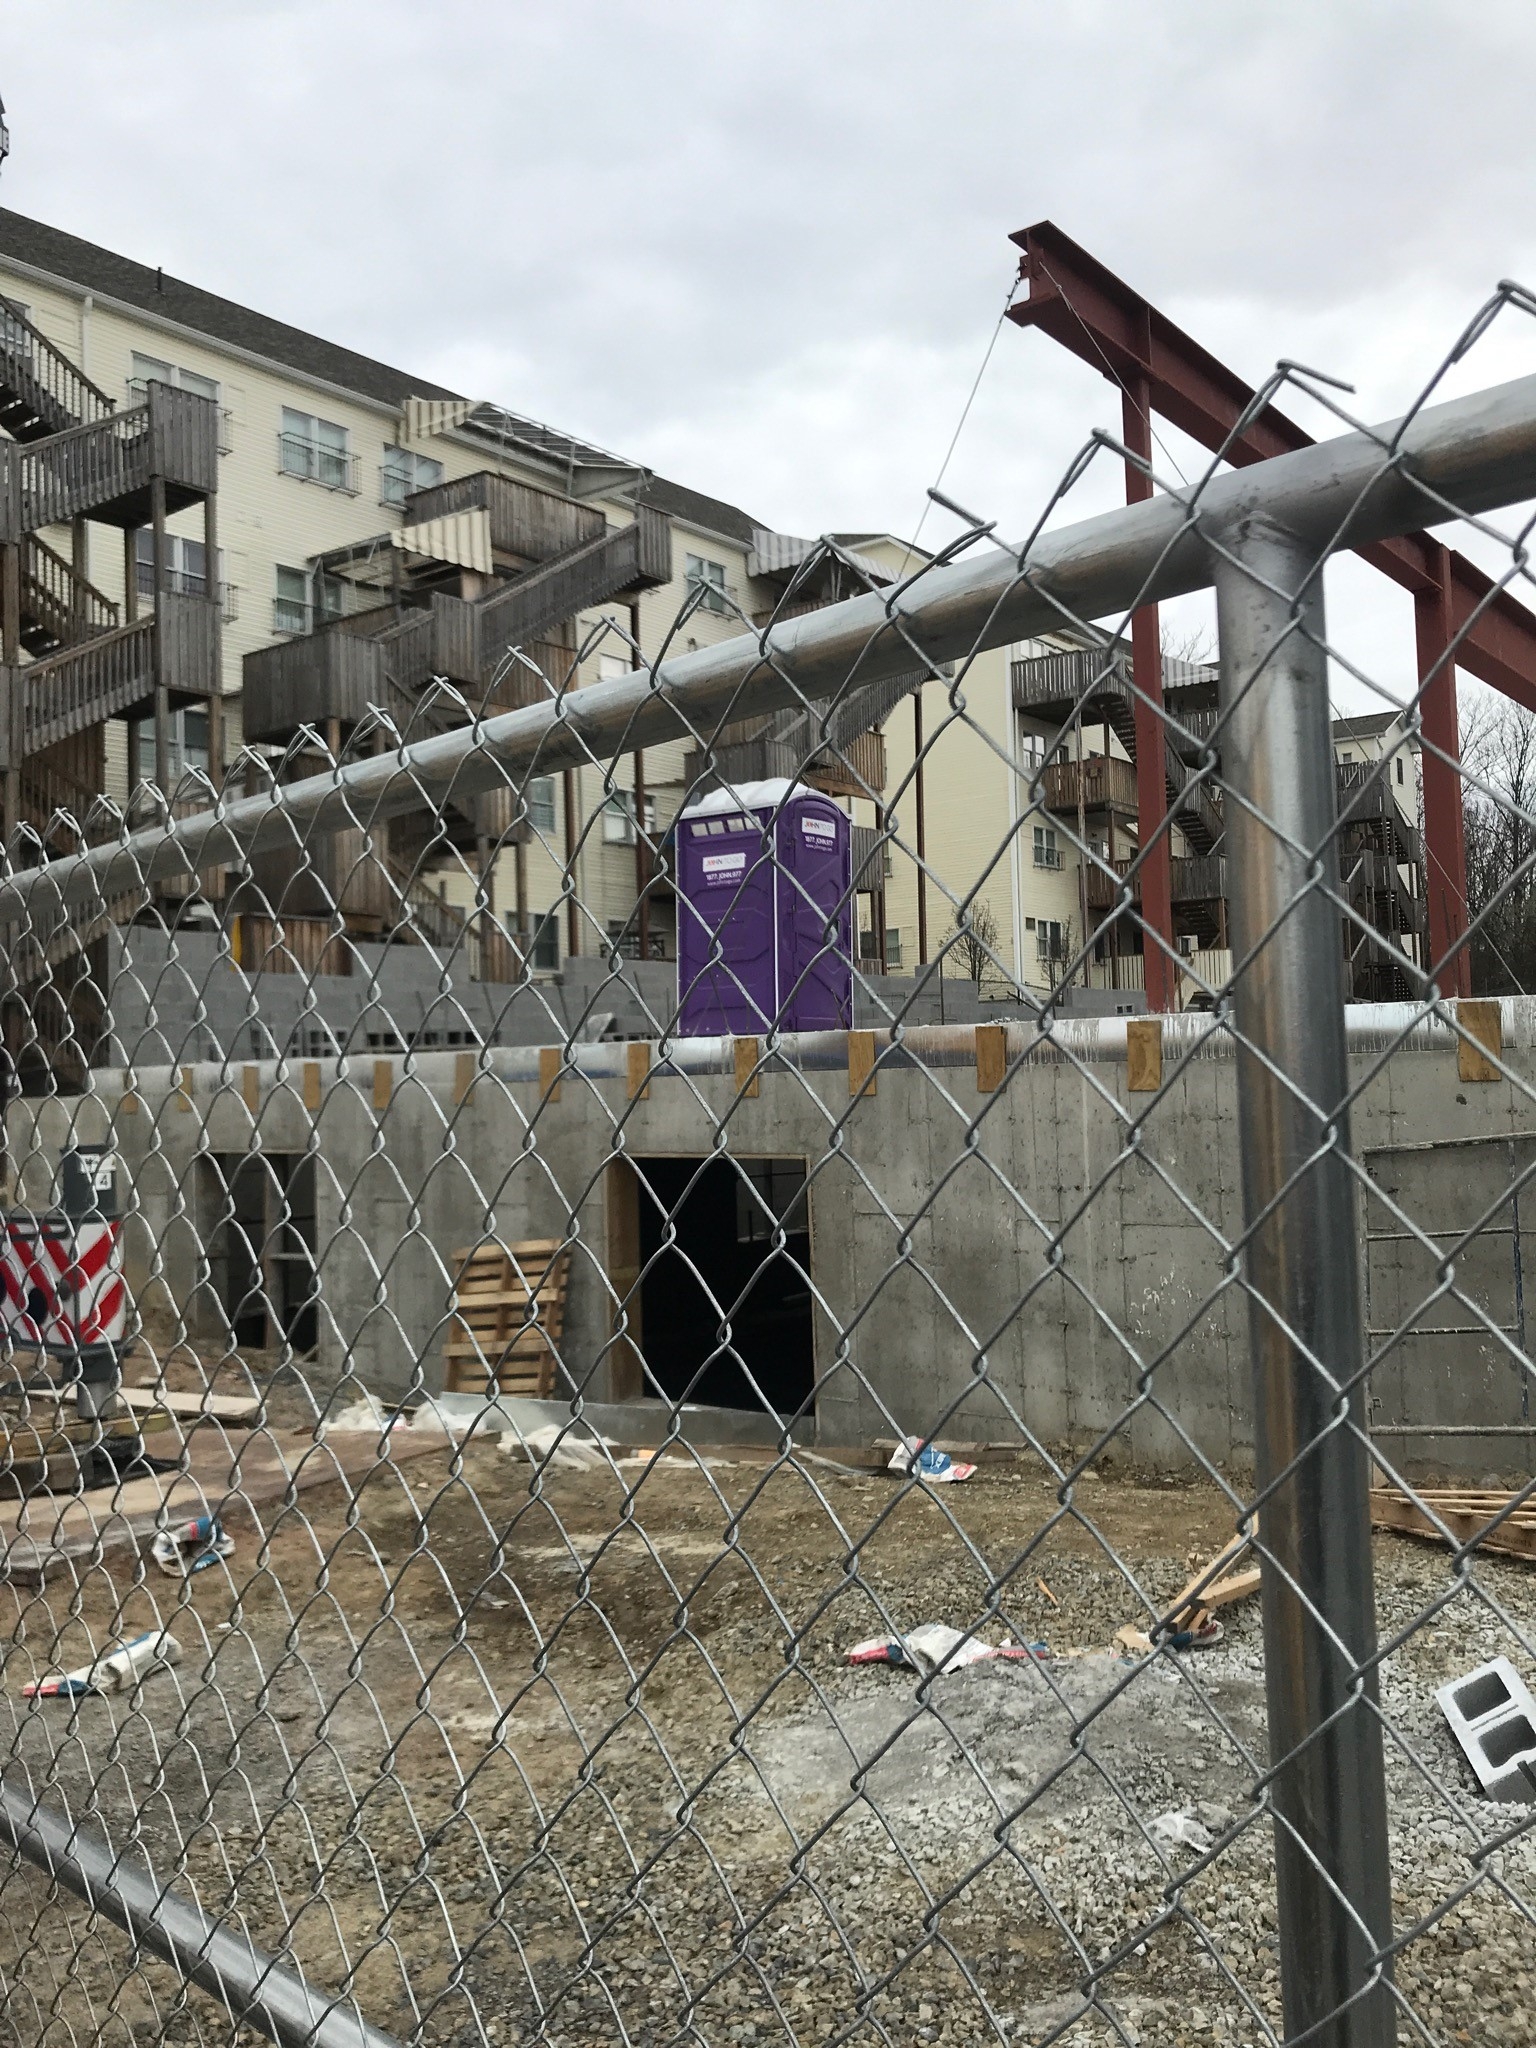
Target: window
pixel 541 948
pixel 186 567
pixel 293 603
pixel 1032 751
pixel 541 803
pixel 403 471
pixel 1047 852
pixel 1048 944
pixel 151 370
pixel 893 946
pixel 619 819
pixel 1346 754
pixel 188 743
pixel 145 370
pixel 1398 764
pixel 316 450
pixel 700 573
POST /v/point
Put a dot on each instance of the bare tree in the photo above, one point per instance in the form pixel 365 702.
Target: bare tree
pixel 973 940
pixel 1196 645
pixel 1498 749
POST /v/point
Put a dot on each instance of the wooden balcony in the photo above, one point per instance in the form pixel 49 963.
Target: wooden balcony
pixel 1106 783
pixel 103 469
pixel 113 675
pixel 856 767
pixel 389 660
pixel 527 523
pixel 1201 878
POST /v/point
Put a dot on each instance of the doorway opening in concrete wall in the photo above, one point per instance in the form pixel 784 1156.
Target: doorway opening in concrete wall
pixel 262 1250
pixel 724 1265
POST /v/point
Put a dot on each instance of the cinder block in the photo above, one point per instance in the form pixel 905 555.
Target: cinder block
pixel 1493 1717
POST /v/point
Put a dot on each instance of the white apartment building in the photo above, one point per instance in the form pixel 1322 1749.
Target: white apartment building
pixel 320 449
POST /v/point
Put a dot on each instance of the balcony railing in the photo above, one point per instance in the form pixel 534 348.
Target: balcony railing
pixel 138 394
pixel 185 584
pixel 1103 781
pixel 332 468
pixel 1197 878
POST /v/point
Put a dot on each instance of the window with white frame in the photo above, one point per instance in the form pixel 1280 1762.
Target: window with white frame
pixel 1047 852
pixel 153 370
pixel 540 946
pixel 316 450
pixel 619 818
pixel 186 565
pixel 1048 941
pixel 404 471
pixel 297 597
pixel 541 803
pixel 700 573
pixel 188 735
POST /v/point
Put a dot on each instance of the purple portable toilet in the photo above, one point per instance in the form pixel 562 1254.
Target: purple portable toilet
pixel 764 869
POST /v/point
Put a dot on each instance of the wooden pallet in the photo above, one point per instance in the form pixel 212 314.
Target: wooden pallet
pixel 1464 1511
pixel 509 1318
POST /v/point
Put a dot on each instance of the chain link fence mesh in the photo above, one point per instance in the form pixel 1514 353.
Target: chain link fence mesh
pixel 480 1377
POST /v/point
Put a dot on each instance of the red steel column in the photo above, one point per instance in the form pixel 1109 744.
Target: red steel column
pixel 1151 785
pixel 1445 851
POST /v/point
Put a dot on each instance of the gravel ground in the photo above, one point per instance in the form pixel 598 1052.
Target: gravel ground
pixel 580 1759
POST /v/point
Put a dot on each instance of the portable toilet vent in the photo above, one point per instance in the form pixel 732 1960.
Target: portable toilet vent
pixel 764 912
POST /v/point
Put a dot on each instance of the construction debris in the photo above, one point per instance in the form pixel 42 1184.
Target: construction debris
pixel 1465 1512
pixel 191 1546
pixel 119 1670
pixel 928 1462
pixel 1191 1611
pixel 933 1647
pixel 1493 1717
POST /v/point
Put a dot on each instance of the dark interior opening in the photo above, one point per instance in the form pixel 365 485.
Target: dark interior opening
pixel 264 1264
pixel 722 1266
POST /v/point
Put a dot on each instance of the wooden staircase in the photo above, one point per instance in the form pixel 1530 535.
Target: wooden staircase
pixel 41 391
pixel 624 560
pixel 1096 685
pixel 58 608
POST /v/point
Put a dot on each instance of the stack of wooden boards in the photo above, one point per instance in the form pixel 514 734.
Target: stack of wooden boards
pixel 1464 1511
pixel 508 1318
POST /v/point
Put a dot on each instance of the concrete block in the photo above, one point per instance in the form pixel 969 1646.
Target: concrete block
pixel 1493 1717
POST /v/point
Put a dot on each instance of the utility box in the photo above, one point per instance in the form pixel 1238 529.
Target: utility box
pixel 764 912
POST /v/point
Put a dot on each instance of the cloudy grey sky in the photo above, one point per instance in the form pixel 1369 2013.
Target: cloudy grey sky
pixel 762 247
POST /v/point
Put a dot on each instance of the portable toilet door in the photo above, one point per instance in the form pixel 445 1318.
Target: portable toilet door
pixel 725 896
pixel 815 915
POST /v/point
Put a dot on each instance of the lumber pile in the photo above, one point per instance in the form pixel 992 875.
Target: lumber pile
pixel 1464 1511
pixel 508 1318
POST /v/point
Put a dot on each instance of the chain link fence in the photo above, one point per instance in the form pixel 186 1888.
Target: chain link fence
pixel 644 1400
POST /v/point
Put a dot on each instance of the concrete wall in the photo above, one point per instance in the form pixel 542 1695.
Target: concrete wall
pixel 984 1262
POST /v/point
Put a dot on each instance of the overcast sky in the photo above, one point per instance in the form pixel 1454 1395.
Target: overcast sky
pixel 762 248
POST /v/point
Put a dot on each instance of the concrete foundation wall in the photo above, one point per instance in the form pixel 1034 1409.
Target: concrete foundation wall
pixel 1056 1257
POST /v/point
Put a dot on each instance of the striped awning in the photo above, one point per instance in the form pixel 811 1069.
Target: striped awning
pixel 460 537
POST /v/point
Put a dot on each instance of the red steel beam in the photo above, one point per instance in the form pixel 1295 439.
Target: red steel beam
pixel 1151 738
pixel 1097 316
pixel 1079 303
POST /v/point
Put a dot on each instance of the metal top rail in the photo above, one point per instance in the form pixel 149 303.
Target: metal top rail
pixel 1467 456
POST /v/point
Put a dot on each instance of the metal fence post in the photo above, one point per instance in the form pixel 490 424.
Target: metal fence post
pixel 1333 1871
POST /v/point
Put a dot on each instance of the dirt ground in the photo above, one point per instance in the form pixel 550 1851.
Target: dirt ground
pixel 515 1754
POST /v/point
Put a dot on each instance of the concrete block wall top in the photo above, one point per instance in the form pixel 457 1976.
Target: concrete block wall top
pixel 1493 1717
